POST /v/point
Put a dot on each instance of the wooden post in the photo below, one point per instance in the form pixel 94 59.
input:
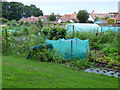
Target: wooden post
pixel 71 49
pixel 86 52
pixel 73 31
pixel 6 40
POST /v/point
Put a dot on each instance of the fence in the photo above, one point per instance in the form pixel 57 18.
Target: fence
pixel 109 25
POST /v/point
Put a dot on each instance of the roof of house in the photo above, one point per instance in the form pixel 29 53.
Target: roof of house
pixel 70 16
pixel 100 15
pixel 30 19
pixel 117 17
pixel 104 21
pixel 64 19
pixel 113 12
pixel 22 19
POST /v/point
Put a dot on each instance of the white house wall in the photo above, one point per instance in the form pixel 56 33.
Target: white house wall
pixel 90 18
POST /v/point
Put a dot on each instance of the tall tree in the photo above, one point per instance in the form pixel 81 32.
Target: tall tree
pixel 82 16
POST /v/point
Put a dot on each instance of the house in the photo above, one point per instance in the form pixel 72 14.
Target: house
pixel 99 15
pixel 115 16
pixel 90 18
pixel 29 19
pixel 46 17
pixel 22 19
pixel 68 18
pixel 63 20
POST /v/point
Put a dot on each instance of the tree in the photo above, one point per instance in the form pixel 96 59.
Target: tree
pixel 82 16
pixel 52 17
pixel 17 10
pixel 111 21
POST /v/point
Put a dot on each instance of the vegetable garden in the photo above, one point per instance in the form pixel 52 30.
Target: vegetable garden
pixel 17 39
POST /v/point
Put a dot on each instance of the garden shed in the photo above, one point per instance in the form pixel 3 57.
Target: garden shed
pixel 86 27
pixel 71 48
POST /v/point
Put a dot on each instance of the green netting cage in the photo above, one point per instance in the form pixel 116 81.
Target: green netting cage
pixel 71 48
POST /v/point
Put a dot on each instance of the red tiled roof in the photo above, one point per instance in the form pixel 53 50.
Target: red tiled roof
pixel 74 16
pixel 100 15
pixel 104 20
pixel 47 17
pixel 70 16
pixel 113 12
pixel 65 19
pixel 24 19
pixel 117 17
pixel 32 19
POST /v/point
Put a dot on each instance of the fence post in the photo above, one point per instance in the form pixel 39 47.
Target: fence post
pixel 71 49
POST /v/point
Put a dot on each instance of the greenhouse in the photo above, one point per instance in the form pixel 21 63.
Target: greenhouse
pixel 73 27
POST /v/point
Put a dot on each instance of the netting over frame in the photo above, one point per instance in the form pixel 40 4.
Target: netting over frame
pixel 71 48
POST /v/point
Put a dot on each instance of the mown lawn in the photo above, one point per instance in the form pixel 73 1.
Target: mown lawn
pixel 23 73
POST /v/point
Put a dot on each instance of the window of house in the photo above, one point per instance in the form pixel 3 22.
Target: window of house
pixel 100 15
pixel 111 15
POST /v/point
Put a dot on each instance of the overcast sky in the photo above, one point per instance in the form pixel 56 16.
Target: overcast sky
pixel 71 6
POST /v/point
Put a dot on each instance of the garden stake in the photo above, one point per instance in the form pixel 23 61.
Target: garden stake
pixel 71 49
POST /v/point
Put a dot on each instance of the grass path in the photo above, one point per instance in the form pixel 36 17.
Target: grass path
pixel 23 73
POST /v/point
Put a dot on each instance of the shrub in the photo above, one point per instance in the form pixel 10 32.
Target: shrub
pixel 52 17
pixel 54 32
pixel 111 21
pixel 21 22
pixel 3 20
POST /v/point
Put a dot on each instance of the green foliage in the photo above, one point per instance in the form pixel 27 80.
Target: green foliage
pixel 111 21
pixel 96 18
pixel 3 20
pixel 21 22
pixel 53 32
pixel 80 64
pixel 39 23
pixel 16 10
pixel 13 22
pixel 82 16
pixel 52 17
pixel 105 18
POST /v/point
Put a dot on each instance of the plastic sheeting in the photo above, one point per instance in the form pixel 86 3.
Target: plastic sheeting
pixel 72 48
pixel 82 27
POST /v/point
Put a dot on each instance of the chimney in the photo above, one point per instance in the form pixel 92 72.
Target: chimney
pixel 52 13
